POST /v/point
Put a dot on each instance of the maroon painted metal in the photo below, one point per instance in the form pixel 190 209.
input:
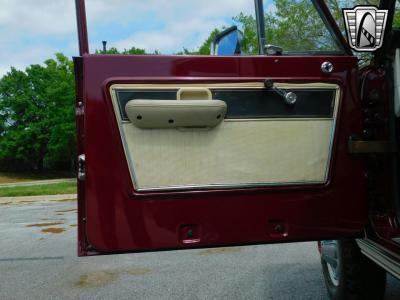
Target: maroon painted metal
pixel 383 228
pixel 116 218
pixel 82 27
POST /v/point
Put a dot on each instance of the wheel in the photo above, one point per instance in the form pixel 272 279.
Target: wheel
pixel 349 274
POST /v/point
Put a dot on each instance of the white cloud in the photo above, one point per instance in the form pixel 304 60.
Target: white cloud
pixel 33 30
pixel 173 37
pixel 38 17
pixel 24 57
pixel 183 23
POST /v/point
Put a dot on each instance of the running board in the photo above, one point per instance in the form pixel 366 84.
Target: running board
pixel 381 257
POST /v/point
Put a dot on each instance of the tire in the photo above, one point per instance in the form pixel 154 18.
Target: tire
pixel 355 276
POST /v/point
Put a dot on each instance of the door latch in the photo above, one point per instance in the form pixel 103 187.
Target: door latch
pixel 289 97
pixel 81 167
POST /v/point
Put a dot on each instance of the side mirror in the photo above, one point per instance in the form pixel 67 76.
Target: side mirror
pixel 227 42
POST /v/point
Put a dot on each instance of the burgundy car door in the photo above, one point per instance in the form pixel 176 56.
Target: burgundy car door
pixel 194 151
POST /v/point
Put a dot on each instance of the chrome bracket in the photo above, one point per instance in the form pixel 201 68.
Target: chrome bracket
pixel 273 50
pixel 81 167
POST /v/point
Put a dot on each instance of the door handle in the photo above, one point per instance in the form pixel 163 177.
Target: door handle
pixel 152 114
pixel 289 97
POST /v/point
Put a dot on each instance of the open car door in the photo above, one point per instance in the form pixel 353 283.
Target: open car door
pixel 195 151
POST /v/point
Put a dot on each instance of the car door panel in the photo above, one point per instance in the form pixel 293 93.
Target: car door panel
pixel 241 151
pixel 267 173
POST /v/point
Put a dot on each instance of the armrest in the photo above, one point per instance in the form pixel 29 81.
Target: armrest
pixel 152 114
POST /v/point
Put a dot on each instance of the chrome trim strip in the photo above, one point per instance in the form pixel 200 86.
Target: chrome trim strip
pixel 226 186
pixel 380 256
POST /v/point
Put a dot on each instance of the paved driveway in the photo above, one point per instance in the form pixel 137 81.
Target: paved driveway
pixel 39 262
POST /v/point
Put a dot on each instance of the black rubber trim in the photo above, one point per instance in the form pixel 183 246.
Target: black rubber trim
pixel 251 103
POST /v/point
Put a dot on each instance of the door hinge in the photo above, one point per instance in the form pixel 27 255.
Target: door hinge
pixel 81 167
pixel 369 147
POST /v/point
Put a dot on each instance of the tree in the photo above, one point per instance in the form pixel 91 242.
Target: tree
pixel 205 47
pixel 131 51
pixel 37 125
pixel 37 116
pixel 396 20
pixel 250 36
pixel 294 25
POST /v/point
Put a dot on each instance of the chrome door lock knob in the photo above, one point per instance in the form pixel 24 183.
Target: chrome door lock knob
pixel 327 67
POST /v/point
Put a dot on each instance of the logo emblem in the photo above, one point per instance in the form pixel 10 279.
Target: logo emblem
pixel 365 26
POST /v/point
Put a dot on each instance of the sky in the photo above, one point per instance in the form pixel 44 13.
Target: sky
pixel 32 31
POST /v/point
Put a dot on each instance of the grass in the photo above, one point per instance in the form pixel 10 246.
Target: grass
pixel 11 177
pixel 36 190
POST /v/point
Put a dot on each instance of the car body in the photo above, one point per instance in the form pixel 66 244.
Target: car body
pixel 163 165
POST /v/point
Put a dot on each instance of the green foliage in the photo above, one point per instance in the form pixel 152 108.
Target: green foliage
pixel 36 190
pixel 336 7
pixel 37 127
pixel 296 26
pixel 205 48
pixel 37 116
pixel 396 20
pixel 131 51
pixel 248 26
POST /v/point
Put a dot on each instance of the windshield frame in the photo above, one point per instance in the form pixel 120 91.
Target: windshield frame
pixel 320 6
pixel 328 20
